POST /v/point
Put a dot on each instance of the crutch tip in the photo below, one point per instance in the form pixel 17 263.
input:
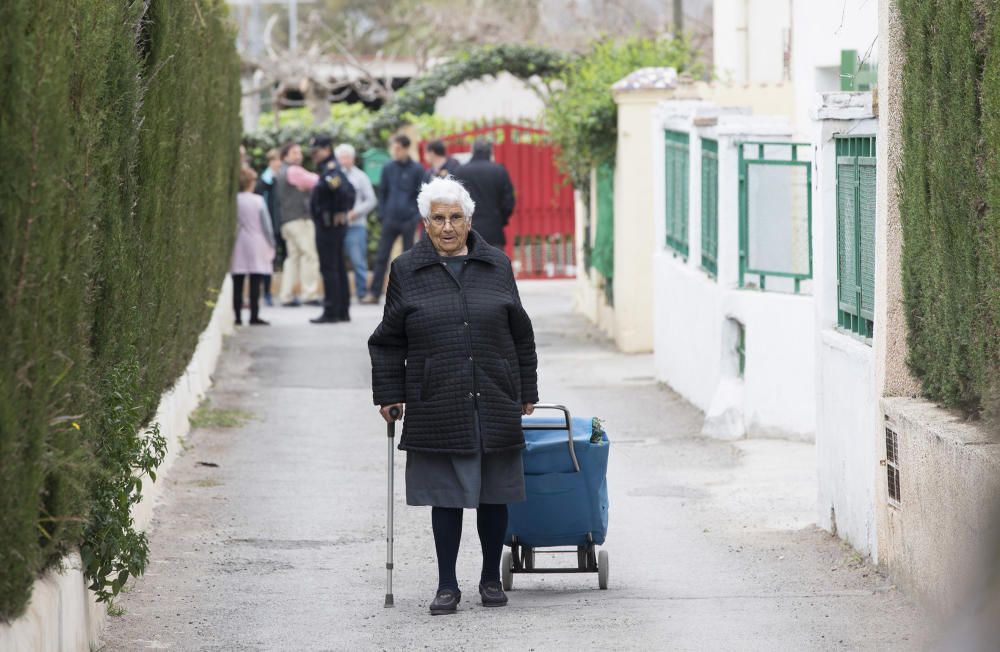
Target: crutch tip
pixel 388 601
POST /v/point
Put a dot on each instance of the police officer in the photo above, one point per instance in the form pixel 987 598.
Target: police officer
pixel 331 199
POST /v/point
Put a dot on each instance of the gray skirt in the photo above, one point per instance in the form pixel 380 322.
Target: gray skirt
pixel 466 480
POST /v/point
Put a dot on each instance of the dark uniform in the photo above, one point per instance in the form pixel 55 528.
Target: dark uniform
pixel 331 199
pixel 448 168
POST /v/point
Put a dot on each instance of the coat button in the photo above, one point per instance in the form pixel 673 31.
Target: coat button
pixel 478 394
pixel 470 358
pixel 469 395
pixel 465 323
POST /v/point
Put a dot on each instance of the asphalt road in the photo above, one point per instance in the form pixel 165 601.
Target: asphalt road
pixel 281 545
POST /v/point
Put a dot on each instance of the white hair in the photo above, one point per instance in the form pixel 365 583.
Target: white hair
pixel 444 190
pixel 344 148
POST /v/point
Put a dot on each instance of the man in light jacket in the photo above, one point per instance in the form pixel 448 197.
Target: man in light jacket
pixel 292 186
pixel 357 226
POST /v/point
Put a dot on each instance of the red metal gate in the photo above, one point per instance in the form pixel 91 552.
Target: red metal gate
pixel 540 232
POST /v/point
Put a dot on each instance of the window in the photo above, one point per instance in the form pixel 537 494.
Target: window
pixel 892 466
pixel 775 215
pixel 856 74
pixel 677 172
pixel 709 206
pixel 856 235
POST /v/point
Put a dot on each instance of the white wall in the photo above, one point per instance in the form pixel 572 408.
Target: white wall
pixel 749 40
pixel 694 342
pixel 847 423
pixel 504 97
pixel 820 31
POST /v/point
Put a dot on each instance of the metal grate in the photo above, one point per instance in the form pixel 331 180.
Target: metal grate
pixel 741 347
pixel 677 171
pixel 856 234
pixel 892 466
pixel 709 206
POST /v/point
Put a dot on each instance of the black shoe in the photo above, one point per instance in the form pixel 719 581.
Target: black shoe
pixel 446 602
pixel 345 318
pixel 259 322
pixel 294 303
pixel 314 302
pixel 325 319
pixel 492 594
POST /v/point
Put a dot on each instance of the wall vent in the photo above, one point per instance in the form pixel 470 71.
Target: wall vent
pixel 892 466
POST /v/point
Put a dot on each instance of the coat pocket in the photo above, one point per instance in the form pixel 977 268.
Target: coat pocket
pixel 425 381
pixel 512 386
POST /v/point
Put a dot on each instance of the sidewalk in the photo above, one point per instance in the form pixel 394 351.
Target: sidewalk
pixel 281 546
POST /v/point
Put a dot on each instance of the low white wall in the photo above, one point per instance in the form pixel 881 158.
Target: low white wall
pixel 63 615
pixel 846 445
pixel 695 355
pixel 934 542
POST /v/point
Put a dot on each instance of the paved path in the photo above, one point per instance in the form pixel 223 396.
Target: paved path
pixel 281 546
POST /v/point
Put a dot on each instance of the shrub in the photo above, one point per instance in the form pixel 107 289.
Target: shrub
pixel 120 126
pixel 950 184
pixel 581 115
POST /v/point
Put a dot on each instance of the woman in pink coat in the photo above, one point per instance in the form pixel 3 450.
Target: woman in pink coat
pixel 253 252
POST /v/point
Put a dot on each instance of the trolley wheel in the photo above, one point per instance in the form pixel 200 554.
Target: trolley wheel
pixel 506 571
pixel 529 558
pixel 602 569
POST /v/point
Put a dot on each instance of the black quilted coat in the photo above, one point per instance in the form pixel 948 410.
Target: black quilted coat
pixel 445 347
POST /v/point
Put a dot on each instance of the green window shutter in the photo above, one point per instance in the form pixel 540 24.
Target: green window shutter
pixel 603 256
pixel 677 172
pixel 866 210
pixel 847 279
pixel 710 206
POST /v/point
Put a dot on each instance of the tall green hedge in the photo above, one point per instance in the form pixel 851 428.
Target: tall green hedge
pixel 950 196
pixel 119 120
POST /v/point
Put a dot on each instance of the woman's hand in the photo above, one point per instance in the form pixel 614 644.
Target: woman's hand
pixel 527 408
pixel 384 411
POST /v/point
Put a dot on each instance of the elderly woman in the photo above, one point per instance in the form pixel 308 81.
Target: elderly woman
pixel 457 348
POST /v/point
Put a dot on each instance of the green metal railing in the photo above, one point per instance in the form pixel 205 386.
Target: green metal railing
pixel 677 172
pixel 775 195
pixel 856 234
pixel 710 206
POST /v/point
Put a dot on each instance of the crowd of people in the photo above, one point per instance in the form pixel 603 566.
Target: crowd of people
pixel 320 220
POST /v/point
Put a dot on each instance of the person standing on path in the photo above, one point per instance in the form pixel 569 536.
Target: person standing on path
pixel 357 217
pixel 441 164
pixel 456 348
pixel 265 188
pixel 398 190
pixel 253 252
pixel 491 189
pixel 332 199
pixel 293 183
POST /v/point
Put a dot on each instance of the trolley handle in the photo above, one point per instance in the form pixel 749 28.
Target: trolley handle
pixel 568 426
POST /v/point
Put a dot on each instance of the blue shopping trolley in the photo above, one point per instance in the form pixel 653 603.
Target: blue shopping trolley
pixel 565 476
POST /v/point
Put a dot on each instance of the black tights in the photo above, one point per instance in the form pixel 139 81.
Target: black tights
pixel 255 282
pixel 491 521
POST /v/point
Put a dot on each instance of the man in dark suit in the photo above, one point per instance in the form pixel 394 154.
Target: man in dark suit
pixel 397 201
pixel 491 189
pixel 436 154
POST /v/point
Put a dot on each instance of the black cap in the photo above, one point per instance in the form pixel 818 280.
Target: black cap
pixel 320 141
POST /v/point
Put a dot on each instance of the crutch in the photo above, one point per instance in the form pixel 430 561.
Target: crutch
pixel 394 412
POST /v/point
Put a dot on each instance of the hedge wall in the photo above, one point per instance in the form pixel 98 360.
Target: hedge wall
pixel 950 197
pixel 120 127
